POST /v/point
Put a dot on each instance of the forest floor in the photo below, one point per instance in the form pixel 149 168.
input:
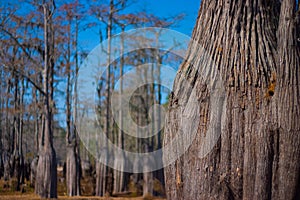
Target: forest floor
pixel 6 193
pixel 32 196
pixel 35 197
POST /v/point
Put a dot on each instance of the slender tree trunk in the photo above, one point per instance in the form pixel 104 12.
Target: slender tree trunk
pixel 34 162
pixel 72 162
pixel 101 173
pixel 77 146
pixel 120 160
pixel 15 164
pixel 21 128
pixel 1 123
pixel 147 176
pixel 256 113
pixel 6 139
pixel 46 178
pixel 72 157
pixel 72 171
pixel 159 173
pixel 101 168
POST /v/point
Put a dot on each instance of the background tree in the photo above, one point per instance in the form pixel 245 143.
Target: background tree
pixel 15 57
pixel 254 54
pixel 69 36
pixel 46 177
pixel 39 60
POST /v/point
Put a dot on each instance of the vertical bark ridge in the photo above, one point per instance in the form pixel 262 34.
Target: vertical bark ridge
pixel 288 101
pixel 240 37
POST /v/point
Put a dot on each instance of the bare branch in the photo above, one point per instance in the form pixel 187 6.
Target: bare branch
pixel 26 77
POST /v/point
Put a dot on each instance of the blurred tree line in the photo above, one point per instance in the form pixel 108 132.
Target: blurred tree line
pixel 41 52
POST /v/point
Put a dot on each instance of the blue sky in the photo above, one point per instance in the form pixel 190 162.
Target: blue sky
pixel 165 8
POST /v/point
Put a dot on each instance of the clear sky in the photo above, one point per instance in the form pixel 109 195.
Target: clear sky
pixel 166 8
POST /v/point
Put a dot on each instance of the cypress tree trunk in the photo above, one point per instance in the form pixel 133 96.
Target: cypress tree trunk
pixel 6 139
pixel 256 113
pixel 288 102
pixel 119 165
pixel 102 170
pixel 72 144
pixel 101 179
pixel 46 177
pixel 72 171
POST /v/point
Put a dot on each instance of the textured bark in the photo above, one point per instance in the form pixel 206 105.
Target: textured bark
pixel 288 102
pixel 46 183
pixel 101 179
pixel 46 177
pixel 33 167
pixel 72 144
pixel 72 171
pixel 119 167
pixel 102 170
pixel 119 164
pixel 257 154
pixel 148 178
pixel 17 165
pixel 6 140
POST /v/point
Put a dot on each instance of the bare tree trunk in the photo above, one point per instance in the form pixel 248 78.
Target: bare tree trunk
pixel 257 153
pixel 72 160
pixel 120 159
pixel 147 176
pixel 21 128
pixel 16 158
pixel 287 105
pixel 46 178
pixel 34 162
pixel 72 170
pixel 77 146
pixel 72 157
pixel 17 165
pixel 1 123
pixel 101 168
pixel 159 173
pixel 6 139
pixel 136 162
pixel 101 173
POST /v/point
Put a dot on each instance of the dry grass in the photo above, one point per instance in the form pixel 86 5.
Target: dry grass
pixel 8 193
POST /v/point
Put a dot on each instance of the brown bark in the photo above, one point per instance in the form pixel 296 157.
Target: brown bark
pixel 119 164
pixel 147 178
pixel 72 157
pixel 6 139
pixel 101 179
pixel 257 154
pixel 72 170
pixel 101 168
pixel 46 177
pixel 287 102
